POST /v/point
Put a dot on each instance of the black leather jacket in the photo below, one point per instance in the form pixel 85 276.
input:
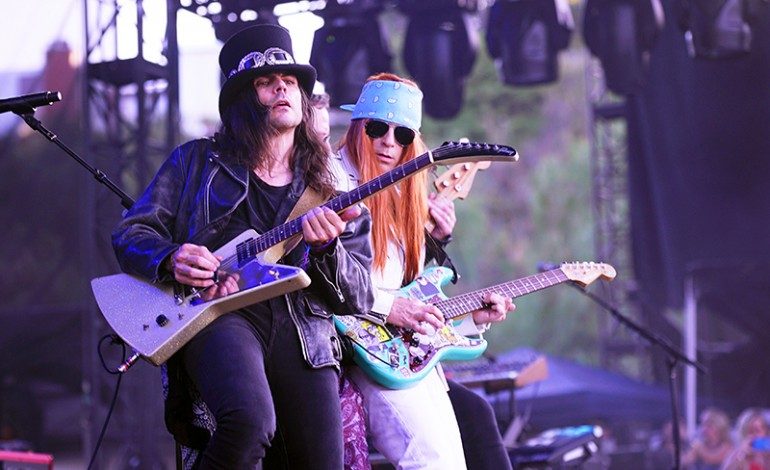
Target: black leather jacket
pixel 192 198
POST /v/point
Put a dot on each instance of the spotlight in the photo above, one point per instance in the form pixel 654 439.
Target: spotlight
pixel 439 52
pixel 718 29
pixel 227 25
pixel 621 34
pixel 348 48
pixel 230 16
pixel 523 37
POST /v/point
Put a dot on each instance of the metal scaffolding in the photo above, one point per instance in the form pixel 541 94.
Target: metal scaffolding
pixel 620 350
pixel 130 104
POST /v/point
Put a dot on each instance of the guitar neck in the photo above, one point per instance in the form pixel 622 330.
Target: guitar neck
pixel 463 304
pixel 293 227
pixel 450 151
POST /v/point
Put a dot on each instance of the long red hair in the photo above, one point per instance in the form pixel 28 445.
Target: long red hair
pixel 399 213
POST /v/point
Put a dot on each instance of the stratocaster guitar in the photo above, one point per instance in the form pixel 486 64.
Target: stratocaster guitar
pixel 398 358
pixel 156 320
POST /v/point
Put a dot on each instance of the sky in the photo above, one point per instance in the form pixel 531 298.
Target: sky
pixel 31 26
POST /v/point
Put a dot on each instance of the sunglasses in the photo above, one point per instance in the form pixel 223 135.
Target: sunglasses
pixel 376 129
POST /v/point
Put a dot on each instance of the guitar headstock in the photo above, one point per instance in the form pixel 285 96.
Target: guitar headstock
pixel 587 272
pixel 457 152
pixel 456 182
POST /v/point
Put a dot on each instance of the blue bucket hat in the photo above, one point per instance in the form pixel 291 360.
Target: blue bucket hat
pixel 385 100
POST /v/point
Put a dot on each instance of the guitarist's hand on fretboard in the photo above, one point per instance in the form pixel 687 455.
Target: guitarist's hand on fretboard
pixel 321 225
pixel 442 211
pixel 414 314
pixel 496 310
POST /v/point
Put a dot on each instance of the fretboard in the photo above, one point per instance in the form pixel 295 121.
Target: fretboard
pixel 463 304
pixel 251 248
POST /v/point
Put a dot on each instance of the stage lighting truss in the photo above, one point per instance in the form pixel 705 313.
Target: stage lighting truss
pixel 719 29
pixel 524 37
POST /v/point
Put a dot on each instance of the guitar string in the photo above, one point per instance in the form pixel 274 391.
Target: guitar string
pixel 278 234
pixel 255 246
pixel 523 286
pixel 515 289
pixel 465 303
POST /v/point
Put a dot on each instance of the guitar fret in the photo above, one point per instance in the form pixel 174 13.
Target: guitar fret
pixel 465 303
pixel 509 290
pixel 555 277
pixel 344 200
pixel 526 286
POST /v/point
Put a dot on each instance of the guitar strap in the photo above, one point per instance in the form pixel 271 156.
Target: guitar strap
pixel 309 199
pixel 435 249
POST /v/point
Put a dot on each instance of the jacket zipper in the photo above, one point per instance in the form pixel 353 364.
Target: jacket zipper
pixel 332 284
pixel 295 320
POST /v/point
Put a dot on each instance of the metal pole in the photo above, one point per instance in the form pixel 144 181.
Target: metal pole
pixel 690 349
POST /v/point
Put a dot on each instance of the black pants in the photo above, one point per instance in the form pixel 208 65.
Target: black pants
pixel 251 374
pixel 482 443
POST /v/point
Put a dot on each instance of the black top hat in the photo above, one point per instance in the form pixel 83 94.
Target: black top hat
pixel 255 51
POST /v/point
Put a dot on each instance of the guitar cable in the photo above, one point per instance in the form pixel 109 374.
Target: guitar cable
pixel 114 339
pixel 370 353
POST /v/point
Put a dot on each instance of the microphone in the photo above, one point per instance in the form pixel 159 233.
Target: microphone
pixel 28 103
pixel 544 266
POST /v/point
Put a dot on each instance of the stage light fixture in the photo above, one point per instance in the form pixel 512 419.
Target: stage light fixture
pixel 621 33
pixel 230 16
pixel 349 47
pixel 225 25
pixel 440 49
pixel 524 37
pixel 719 29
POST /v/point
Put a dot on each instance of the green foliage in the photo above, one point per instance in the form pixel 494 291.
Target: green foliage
pixel 537 209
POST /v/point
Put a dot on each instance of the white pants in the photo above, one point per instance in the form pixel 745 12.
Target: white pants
pixel 414 428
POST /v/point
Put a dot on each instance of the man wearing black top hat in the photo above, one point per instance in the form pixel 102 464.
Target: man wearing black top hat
pixel 272 365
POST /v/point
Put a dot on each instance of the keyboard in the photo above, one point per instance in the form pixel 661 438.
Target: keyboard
pixel 497 375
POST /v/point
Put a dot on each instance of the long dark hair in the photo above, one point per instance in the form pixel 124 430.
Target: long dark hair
pixel 246 131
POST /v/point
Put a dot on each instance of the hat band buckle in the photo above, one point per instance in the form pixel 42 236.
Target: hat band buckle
pixel 256 59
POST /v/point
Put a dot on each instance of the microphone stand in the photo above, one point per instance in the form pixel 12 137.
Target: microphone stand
pixel 126 201
pixel 673 357
pixel 100 176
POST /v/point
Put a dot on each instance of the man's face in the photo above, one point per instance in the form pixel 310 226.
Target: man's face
pixel 282 96
pixel 389 152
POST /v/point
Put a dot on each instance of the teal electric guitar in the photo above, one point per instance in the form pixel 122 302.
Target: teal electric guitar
pixel 399 358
